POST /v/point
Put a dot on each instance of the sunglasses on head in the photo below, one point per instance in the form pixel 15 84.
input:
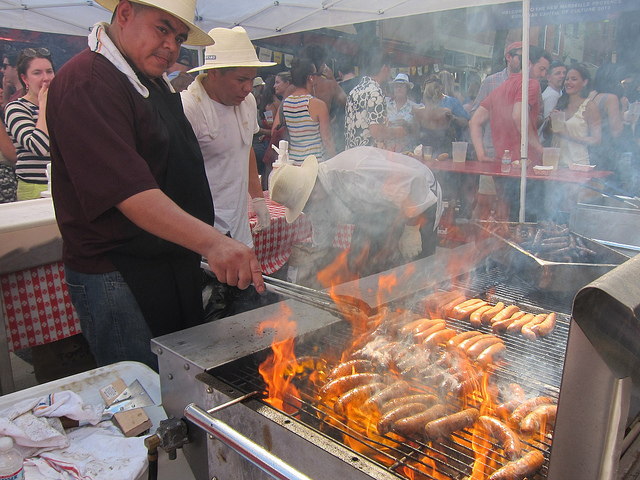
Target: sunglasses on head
pixel 32 52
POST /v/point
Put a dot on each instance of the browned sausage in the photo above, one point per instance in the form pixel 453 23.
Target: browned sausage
pixel 542 418
pixel 351 367
pixel 342 385
pixel 418 325
pixel 516 326
pixel 527 331
pixel 505 313
pixel 481 345
pixel 476 317
pixel 420 336
pixel 461 337
pixel 424 398
pixel 520 469
pixel 545 327
pixel 502 325
pixel 414 425
pixel 356 397
pixel 515 391
pixel 392 391
pixel 471 382
pixel 388 419
pixel 491 354
pixel 440 337
pixel 489 314
pixel 468 343
pixel 465 309
pixel 445 426
pixel 526 407
pixel 445 310
pixel 507 438
pixel 513 396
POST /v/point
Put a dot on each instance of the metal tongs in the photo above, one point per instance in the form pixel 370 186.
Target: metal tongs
pixel 335 304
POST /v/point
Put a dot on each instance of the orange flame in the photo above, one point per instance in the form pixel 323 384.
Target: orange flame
pixel 279 368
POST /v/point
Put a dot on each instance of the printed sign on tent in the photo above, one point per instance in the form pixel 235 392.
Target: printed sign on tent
pixel 265 55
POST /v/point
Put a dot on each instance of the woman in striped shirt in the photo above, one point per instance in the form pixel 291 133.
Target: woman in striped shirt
pixel 26 122
pixel 306 117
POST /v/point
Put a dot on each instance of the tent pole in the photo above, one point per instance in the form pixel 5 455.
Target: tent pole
pixel 524 117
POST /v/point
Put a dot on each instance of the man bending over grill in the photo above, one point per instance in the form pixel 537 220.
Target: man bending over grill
pixel 131 195
pixel 393 200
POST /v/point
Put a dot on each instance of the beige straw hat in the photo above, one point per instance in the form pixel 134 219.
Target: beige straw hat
pixel 233 48
pixel 291 186
pixel 184 10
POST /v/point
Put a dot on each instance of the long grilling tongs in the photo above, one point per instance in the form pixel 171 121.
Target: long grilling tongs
pixel 335 304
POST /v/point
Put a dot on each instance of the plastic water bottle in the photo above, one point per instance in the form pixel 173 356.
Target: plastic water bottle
pixel 506 162
pixel 10 461
pixel 283 159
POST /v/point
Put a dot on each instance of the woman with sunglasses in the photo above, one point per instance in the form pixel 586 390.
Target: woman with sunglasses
pixel 26 122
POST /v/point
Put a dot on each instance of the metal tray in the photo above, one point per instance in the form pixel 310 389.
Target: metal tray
pixel 559 277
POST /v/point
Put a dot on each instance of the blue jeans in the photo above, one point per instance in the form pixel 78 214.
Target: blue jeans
pixel 110 318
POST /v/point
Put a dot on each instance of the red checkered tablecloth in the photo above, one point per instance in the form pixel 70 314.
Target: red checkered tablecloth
pixel 36 306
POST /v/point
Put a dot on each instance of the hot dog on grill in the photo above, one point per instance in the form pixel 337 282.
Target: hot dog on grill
pixel 481 345
pixel 461 337
pixel 445 310
pixel 465 309
pixel 476 317
pixel 526 407
pixel 492 312
pixel 376 401
pixel 351 367
pixel 356 397
pixel 491 354
pixel 443 427
pixel 388 419
pixel 507 438
pixel 415 424
pixel 505 313
pixel 543 417
pixel 502 325
pixel 424 398
pixel 437 300
pixel 516 326
pixel 418 326
pixel 440 337
pixel 342 385
pixel 545 327
pixel 420 336
pixel 527 330
pixel 524 467
pixel 468 343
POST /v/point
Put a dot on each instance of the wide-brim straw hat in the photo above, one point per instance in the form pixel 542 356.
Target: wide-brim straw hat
pixel 402 79
pixel 183 10
pixel 233 48
pixel 291 186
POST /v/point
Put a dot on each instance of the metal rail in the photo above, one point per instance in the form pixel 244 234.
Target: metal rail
pixel 250 450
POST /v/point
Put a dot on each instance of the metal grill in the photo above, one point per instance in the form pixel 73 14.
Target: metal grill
pixel 536 366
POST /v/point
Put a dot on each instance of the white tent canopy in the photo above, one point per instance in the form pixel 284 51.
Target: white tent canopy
pixel 261 18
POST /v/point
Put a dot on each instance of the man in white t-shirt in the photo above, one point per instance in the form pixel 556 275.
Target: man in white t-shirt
pixel 555 78
pixel 223 114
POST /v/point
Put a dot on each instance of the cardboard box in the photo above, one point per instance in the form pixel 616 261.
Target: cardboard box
pixel 133 422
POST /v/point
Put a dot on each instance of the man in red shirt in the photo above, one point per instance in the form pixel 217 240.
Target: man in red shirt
pixel 503 109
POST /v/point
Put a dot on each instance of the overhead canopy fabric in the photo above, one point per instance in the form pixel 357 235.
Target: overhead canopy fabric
pixel 261 18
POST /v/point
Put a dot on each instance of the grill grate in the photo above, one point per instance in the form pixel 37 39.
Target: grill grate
pixel 536 366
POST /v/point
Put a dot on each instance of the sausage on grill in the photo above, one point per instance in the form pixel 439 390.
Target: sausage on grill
pixel 502 325
pixel 351 367
pixel 527 330
pixel 342 385
pixel 507 438
pixel 524 467
pixel 505 313
pixel 356 397
pixel 388 419
pixel 526 407
pixel 481 345
pixel 476 317
pixel 489 314
pixel 445 426
pixel 461 337
pixel 516 326
pixel 465 309
pixel 376 401
pixel 415 424
pixel 440 337
pixel 491 354
pixel 424 398
pixel 542 417
pixel 545 327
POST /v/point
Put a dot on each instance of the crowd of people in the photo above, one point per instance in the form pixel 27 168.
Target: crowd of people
pixel 147 182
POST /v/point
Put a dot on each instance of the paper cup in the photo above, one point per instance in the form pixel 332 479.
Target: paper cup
pixel 459 150
pixel 426 153
pixel 551 157
pixel 557 121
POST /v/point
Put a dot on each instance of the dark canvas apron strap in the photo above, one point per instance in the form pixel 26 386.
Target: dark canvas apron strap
pixel 164 277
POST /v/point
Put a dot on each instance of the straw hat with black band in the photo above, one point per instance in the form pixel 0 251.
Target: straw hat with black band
pixel 291 186
pixel 232 48
pixel 183 10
